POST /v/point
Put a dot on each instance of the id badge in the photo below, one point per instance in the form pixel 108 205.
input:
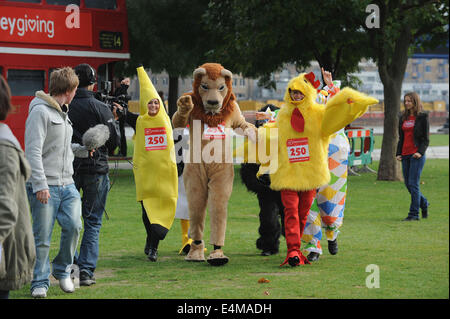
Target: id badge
pixel 155 139
pixel 214 133
pixel 298 150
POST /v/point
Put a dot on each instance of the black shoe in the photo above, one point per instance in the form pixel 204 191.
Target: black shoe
pixel 153 254
pixel 186 249
pixel 333 247
pixel 147 247
pixel 313 256
pixel 409 218
pixel 86 280
pixel 269 252
pixel 294 261
pixel 425 212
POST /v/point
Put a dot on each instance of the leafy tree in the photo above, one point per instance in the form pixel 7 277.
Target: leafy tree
pixel 404 26
pixel 258 37
pixel 167 35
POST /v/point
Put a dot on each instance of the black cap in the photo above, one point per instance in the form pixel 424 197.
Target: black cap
pixel 86 74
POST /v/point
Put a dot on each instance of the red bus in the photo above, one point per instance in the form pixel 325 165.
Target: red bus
pixel 38 36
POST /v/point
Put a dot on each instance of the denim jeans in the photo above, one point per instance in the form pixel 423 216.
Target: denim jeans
pixel 412 169
pixel 64 205
pixel 95 188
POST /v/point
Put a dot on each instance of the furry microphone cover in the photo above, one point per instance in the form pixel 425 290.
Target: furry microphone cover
pixel 96 137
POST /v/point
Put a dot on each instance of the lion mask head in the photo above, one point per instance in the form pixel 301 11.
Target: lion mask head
pixel 212 93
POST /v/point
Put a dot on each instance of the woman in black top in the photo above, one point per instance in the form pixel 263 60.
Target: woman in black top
pixel 414 130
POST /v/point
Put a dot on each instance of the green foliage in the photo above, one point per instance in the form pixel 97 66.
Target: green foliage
pixel 259 37
pixel 404 26
pixel 167 35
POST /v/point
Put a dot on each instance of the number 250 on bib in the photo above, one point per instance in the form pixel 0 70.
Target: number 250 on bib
pixel 155 139
pixel 298 150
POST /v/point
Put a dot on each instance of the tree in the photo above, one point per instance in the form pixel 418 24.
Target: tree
pixel 257 37
pixel 404 25
pixel 167 35
pixel 262 35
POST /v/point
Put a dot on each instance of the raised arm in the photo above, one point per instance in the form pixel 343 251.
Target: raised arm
pixel 181 116
pixel 345 107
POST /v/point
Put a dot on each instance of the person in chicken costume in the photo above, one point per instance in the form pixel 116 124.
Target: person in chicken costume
pixel 154 165
pixel 304 129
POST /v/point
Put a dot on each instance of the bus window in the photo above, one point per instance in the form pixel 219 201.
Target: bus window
pixel 26 82
pixel 101 4
pixel 63 2
pixel 102 76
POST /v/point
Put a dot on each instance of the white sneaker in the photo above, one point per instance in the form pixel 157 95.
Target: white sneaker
pixel 66 285
pixel 39 292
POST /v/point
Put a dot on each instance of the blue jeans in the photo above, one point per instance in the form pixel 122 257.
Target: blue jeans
pixel 64 206
pixel 95 189
pixel 412 169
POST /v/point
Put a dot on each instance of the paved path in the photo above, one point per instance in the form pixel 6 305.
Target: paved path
pixel 432 152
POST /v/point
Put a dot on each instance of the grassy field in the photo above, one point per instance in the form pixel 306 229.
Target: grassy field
pixel 413 258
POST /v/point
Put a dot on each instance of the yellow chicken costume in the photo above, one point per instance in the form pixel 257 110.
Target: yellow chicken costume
pixel 304 131
pixel 154 165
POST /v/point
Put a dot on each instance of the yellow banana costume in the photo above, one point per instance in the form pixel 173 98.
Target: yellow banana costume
pixel 154 163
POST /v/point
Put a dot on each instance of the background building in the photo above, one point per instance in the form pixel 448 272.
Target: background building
pixel 426 75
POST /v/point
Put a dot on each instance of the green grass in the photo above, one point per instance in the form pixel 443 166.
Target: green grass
pixel 413 257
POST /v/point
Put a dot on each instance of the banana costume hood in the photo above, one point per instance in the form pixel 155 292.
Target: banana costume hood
pixel 154 162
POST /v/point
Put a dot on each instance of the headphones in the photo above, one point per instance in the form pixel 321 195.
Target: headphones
pixel 86 74
pixel 91 76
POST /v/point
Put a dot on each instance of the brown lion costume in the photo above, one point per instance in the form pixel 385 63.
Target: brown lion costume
pixel 210 110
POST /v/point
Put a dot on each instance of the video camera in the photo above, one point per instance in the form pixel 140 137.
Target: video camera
pixel 103 95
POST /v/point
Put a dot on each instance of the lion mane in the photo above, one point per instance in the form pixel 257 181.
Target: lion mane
pixel 213 70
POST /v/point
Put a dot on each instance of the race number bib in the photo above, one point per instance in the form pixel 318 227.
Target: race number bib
pixel 155 139
pixel 214 133
pixel 298 150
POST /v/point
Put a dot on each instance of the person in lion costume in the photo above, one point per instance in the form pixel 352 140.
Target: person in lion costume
pixel 210 111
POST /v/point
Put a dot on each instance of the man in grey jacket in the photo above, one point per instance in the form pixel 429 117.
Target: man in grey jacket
pixel 51 190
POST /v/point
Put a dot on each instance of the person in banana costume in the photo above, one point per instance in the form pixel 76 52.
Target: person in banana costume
pixel 154 165
pixel 299 165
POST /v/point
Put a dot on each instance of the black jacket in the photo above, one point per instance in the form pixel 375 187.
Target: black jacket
pixel 85 112
pixel 421 134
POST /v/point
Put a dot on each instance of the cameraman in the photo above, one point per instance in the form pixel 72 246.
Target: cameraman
pixel 121 91
pixel 91 174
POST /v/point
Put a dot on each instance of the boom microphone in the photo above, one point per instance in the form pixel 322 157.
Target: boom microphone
pixel 96 137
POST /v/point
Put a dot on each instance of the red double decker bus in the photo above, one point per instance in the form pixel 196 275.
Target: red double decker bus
pixel 38 36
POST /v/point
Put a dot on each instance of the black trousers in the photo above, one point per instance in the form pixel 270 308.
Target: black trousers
pixel 155 232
